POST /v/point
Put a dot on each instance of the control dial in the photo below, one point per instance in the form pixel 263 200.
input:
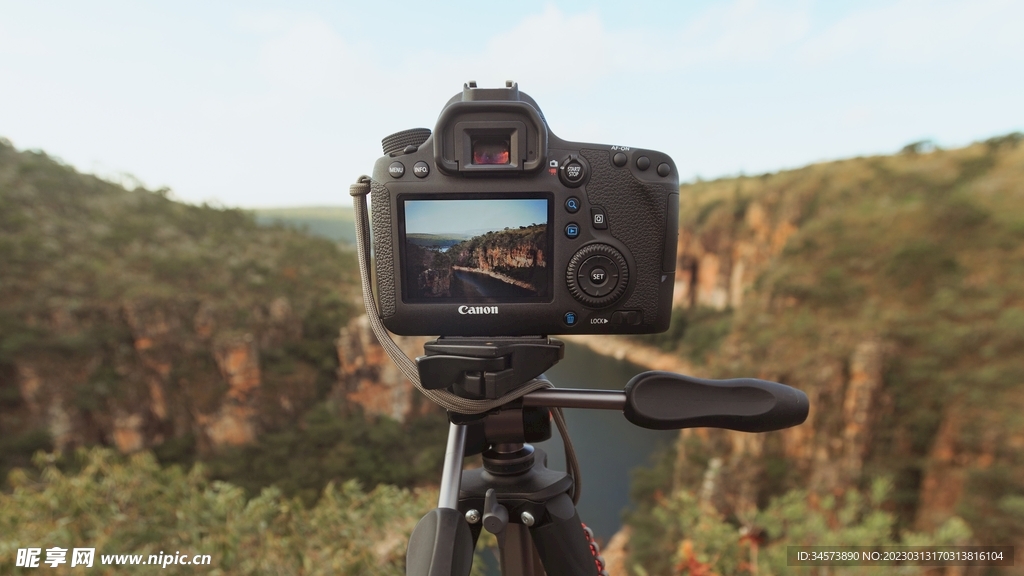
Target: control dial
pixel 399 141
pixel 597 275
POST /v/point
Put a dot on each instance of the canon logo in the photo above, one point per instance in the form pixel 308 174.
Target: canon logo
pixel 478 309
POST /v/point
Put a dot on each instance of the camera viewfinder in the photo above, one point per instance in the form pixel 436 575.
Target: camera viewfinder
pixel 490 151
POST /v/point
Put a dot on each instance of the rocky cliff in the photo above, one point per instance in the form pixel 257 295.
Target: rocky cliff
pixel 888 290
pixel 517 254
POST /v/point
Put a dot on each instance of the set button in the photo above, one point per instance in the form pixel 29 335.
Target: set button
pixel 594 278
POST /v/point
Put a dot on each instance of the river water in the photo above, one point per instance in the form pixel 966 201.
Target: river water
pixel 607 445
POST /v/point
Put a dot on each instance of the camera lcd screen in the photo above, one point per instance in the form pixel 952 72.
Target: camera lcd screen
pixel 477 250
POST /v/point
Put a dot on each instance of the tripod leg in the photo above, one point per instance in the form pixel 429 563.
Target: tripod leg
pixel 451 472
pixel 518 556
pixel 561 542
pixel 442 543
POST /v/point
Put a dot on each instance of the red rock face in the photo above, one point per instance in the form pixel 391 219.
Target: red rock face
pixel 717 263
pixel 179 373
pixel 369 378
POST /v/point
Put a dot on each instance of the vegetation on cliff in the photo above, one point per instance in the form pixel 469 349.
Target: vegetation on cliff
pixel 127 506
pixel 888 289
pixel 709 542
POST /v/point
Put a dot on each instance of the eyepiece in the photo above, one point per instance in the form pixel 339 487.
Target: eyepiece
pixel 491 151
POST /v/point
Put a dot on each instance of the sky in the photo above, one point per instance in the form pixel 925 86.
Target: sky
pixel 274 104
pixel 472 216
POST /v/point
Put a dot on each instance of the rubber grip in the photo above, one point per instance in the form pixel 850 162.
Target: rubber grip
pixel 670 401
pixel 440 545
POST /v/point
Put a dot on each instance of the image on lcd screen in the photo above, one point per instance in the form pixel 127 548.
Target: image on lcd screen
pixel 477 250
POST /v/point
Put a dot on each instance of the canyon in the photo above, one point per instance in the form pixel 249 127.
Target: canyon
pixel 882 287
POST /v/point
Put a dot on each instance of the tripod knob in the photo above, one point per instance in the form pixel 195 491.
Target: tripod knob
pixel 495 515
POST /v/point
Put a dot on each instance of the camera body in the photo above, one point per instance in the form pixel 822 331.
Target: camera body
pixel 494 226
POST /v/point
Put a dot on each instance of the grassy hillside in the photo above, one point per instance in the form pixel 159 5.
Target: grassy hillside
pixel 130 320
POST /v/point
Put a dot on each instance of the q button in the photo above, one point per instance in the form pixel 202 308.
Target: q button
pixel 572 205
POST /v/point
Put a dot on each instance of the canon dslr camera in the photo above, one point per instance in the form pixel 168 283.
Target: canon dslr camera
pixel 494 226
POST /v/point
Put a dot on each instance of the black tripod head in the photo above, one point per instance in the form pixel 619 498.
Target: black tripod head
pixel 529 507
pixel 486 368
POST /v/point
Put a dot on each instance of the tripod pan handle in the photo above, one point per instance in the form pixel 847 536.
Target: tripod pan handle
pixel 670 401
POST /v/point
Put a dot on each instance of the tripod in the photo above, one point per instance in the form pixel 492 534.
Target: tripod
pixel 528 507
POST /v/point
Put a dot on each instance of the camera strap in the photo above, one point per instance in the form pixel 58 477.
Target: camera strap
pixel 443 398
